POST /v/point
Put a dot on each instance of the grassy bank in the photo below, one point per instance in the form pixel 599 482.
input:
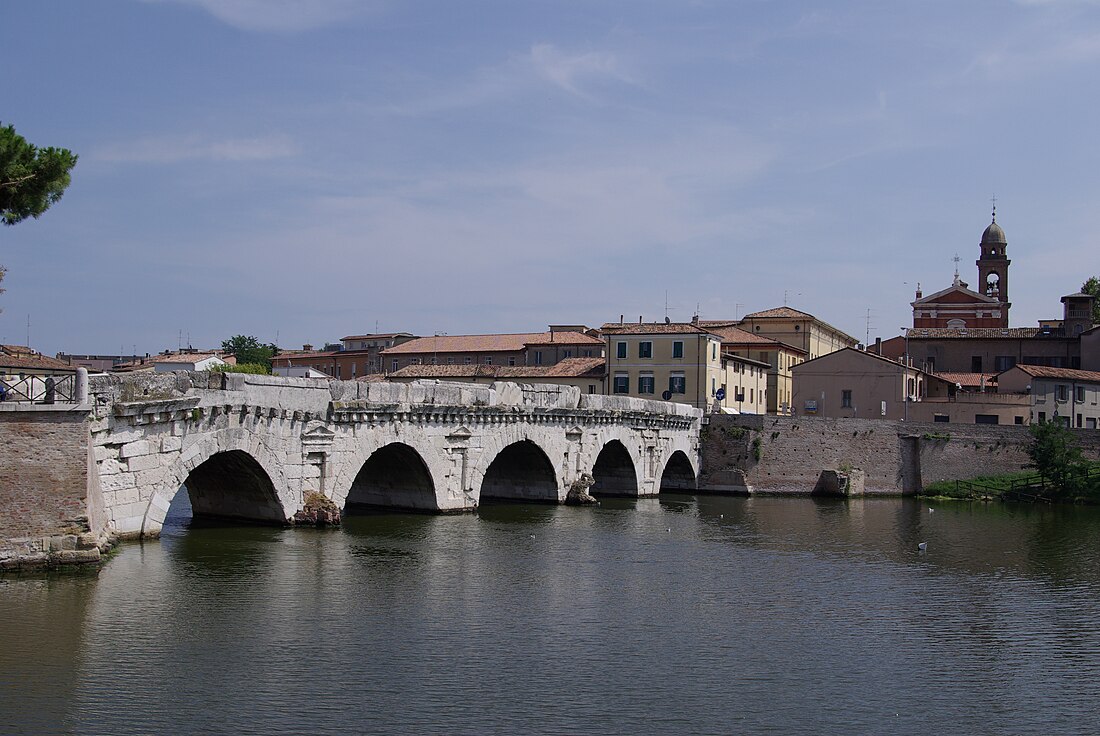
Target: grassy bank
pixel 1025 481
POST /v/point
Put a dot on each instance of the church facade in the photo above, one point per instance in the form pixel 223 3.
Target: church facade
pixel 960 307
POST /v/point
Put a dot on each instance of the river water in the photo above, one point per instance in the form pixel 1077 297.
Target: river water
pixel 678 615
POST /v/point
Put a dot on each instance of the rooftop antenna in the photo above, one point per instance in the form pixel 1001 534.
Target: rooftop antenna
pixel 179 341
pixel 867 335
pixel 376 327
pixel 668 308
pixel 28 330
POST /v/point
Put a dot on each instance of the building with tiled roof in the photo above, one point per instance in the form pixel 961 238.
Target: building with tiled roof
pixel 510 349
pixel 1066 395
pixel 780 356
pixel 587 374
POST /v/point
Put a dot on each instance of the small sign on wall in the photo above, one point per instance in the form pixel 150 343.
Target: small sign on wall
pixel 884 408
pixel 811 406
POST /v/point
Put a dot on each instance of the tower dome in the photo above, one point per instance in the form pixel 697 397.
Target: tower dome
pixel 994 235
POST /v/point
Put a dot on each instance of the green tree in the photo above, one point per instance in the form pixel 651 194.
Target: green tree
pixel 247 349
pixel 1056 456
pixel 31 178
pixel 1092 286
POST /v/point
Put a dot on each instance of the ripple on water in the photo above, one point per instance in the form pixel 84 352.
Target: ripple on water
pixel 677 616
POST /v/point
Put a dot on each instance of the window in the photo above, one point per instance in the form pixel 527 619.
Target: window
pixel 645 384
pixel 1061 392
pixel 752 399
pixel 1017 420
pixel 467 360
pixel 1004 362
pixel 567 354
pixel 588 353
pixel 1079 394
pixel 678 348
pixel 930 364
pixel 512 360
pixel 620 350
pixel 414 361
pixel 591 388
pixel 622 383
pixel 1042 417
pixel 645 349
pixel 432 360
pixel 713 350
pixel 488 360
pixel 846 399
pixel 450 360
pixel 394 366
pixel 986 419
pixel 677 384
pixel 976 364
pixel 941 418
pixel 538 357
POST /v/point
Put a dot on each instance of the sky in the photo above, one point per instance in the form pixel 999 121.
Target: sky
pixel 301 171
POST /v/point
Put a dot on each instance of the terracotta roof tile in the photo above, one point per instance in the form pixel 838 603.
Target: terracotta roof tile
pixel 784 312
pixel 568 368
pixel 652 328
pixel 968 379
pixel 378 336
pixel 736 336
pixel 501 343
pixel 34 362
pixel 1068 374
pixel 972 333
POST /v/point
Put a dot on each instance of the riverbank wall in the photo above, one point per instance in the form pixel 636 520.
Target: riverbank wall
pixel 769 454
pixel 51 506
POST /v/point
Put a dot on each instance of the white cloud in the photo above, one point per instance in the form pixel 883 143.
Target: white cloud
pixel 174 149
pixel 279 15
pixel 569 71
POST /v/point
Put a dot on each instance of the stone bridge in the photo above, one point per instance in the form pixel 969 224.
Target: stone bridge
pixel 253 447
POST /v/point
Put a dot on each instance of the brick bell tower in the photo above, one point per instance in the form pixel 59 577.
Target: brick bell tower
pixel 993 267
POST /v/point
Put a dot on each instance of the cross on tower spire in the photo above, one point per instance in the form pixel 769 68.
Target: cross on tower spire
pixel 994 200
pixel 956 259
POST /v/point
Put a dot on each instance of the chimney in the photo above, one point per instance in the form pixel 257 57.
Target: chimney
pixel 307 347
pixel 695 319
pixel 878 346
pixel 639 319
pixel 621 319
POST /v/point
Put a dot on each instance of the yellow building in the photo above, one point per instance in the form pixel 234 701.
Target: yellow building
pixel 679 362
pixel 779 356
pixel 798 329
pixel 745 385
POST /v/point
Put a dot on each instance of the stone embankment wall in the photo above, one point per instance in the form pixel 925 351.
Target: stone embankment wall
pixel 50 509
pixel 787 454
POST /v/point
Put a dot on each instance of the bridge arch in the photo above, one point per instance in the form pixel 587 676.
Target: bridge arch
pixel 395 475
pixel 678 473
pixel 520 471
pixel 615 471
pixel 226 476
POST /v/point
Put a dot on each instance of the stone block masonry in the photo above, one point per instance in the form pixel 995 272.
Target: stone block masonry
pixel 787 454
pixel 47 506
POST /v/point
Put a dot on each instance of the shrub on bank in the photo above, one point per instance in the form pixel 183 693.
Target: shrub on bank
pixel 253 368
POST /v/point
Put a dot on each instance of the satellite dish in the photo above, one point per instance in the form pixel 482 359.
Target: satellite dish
pixel 666 395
